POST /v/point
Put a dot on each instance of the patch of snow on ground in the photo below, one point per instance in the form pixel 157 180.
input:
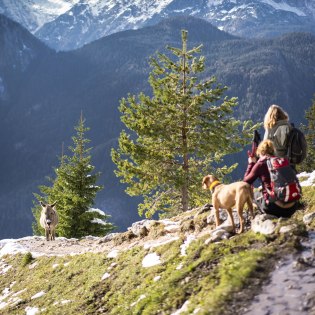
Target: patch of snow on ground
pixel 141 297
pixel 5 294
pixel 150 260
pixel 113 254
pixel 31 310
pixel 38 295
pixel 157 243
pixel 184 308
pixel 19 292
pixel 11 247
pixel 4 267
pixel 3 305
pixel 310 178
pixel 184 246
pixel 180 266
pixel 105 276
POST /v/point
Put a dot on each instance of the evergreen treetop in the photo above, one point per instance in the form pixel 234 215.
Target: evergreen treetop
pixel 178 135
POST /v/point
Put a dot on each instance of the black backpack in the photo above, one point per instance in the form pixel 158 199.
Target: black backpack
pixel 297 147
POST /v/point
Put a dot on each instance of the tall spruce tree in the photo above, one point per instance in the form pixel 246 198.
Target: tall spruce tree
pixel 75 189
pixel 178 135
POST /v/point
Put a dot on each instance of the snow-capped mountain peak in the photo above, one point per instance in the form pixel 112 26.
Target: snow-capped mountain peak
pixel 69 24
pixel 33 14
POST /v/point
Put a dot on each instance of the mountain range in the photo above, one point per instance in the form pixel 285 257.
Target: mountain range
pixel 70 24
pixel 42 93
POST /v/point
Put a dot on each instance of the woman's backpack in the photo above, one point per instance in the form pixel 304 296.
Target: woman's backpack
pixel 297 147
pixel 284 182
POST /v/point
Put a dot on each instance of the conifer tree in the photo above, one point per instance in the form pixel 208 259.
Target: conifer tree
pixel 177 136
pixel 308 164
pixel 74 190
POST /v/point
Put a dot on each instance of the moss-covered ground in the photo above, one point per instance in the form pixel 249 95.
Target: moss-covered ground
pixel 209 276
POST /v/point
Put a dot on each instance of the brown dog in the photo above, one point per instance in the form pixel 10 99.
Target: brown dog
pixel 227 196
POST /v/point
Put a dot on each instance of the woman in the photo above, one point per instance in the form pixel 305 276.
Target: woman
pixel 260 170
pixel 277 128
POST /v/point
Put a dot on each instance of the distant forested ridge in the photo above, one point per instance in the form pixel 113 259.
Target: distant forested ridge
pixel 42 93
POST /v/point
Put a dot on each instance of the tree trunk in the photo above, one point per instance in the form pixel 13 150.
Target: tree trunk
pixel 185 196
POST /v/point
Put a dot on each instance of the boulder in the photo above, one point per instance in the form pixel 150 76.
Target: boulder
pixel 141 228
pixel 263 224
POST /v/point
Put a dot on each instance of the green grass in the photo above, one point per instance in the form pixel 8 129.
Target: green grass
pixel 209 277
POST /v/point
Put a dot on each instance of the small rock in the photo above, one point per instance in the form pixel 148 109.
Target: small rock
pixel 205 208
pixel 308 218
pixel 262 224
pixel 107 238
pixel 140 228
pixel 217 235
pixel 32 266
pixel 287 228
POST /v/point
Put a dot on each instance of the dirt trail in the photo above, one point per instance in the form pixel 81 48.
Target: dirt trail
pixel 38 245
pixel 291 289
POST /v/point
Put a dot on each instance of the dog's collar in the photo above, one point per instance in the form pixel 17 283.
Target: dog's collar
pixel 214 185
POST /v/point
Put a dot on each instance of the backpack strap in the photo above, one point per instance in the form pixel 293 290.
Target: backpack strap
pixel 271 194
pixel 269 164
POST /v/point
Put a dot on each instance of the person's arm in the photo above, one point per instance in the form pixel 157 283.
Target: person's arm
pixel 252 172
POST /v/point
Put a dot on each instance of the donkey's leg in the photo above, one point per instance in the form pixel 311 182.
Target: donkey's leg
pixel 47 234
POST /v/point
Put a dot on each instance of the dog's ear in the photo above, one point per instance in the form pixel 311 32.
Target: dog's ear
pixel 42 204
pixel 205 182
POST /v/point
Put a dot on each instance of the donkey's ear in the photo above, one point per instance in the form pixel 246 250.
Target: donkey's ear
pixel 53 204
pixel 42 204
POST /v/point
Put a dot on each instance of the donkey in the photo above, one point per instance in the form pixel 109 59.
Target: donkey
pixel 49 220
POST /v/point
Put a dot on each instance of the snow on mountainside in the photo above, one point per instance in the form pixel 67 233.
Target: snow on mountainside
pixel 69 24
pixel 33 14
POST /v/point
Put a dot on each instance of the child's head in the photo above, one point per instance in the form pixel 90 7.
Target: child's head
pixel 266 147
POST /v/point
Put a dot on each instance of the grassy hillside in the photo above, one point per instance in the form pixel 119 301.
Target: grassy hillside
pixel 208 276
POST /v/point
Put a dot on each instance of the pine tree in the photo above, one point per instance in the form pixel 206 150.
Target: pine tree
pixel 175 137
pixel 308 164
pixel 74 190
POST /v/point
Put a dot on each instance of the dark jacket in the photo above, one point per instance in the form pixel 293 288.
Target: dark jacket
pixel 259 170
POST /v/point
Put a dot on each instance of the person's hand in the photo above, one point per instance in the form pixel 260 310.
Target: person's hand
pixel 252 159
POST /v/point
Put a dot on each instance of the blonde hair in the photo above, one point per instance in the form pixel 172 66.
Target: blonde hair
pixel 266 147
pixel 274 114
